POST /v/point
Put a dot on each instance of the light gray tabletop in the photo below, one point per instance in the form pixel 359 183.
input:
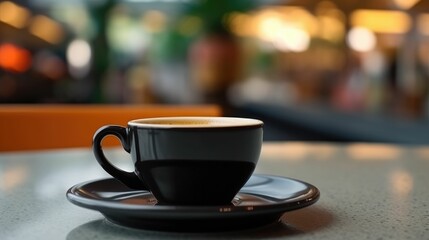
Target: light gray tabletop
pixel 368 191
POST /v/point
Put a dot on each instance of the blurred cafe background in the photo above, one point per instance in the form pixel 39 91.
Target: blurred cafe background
pixel 321 70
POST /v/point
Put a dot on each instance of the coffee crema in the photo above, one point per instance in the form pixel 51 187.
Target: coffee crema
pixel 185 122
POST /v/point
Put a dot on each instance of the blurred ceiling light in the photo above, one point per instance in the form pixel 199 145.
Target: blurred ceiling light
pixel 46 29
pixel 292 39
pixel 269 26
pixel 271 20
pixel 381 21
pixel 14 58
pixel 13 14
pixel 361 39
pixel 423 23
pixel 285 33
pixel 274 24
pixel 406 4
pixel 300 17
pixel 79 57
pixel 296 16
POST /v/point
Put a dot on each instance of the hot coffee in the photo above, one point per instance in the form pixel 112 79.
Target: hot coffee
pixel 193 122
pixel 187 160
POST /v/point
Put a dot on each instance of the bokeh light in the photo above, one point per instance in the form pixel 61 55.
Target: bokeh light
pixel 14 58
pixel 13 14
pixel 47 29
pixel 361 39
pixel 292 39
pixel 79 57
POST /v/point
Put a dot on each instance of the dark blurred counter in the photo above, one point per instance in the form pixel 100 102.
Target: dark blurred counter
pixel 319 123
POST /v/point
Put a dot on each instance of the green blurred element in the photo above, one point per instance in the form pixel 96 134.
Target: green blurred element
pixel 213 12
pixel 201 17
pixel 169 46
pixel 101 49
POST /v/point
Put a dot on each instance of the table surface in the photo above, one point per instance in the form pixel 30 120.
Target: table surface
pixel 368 191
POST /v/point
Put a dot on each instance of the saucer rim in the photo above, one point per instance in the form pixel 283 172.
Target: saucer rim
pixel 311 196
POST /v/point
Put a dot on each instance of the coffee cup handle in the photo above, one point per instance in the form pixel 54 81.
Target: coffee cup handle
pixel 130 179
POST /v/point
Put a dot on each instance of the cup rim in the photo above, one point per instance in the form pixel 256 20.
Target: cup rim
pixel 218 122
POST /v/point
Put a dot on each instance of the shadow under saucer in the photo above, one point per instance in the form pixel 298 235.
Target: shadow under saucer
pixel 298 222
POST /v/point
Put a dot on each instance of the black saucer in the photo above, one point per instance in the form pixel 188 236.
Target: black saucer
pixel 261 201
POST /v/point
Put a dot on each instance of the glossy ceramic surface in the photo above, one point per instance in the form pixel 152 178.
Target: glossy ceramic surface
pixel 176 148
pixel 261 201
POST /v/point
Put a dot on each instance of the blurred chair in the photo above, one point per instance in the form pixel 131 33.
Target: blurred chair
pixel 34 127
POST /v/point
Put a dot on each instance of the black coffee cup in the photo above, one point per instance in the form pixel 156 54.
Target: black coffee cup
pixel 186 160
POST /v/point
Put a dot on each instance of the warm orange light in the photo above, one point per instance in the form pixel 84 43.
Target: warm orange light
pixel 381 21
pixel 46 29
pixel 14 58
pixel 268 23
pixel 405 4
pixel 373 152
pixel 13 177
pixel 241 24
pixel 13 14
pixel 277 17
pixel 300 18
pixel 298 151
pixel 291 151
pixel 402 183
